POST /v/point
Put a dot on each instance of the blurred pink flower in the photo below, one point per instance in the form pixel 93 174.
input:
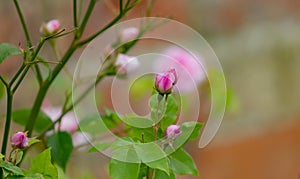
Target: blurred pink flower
pixel 186 64
pixel 50 27
pixel 126 64
pixel 165 82
pixel 19 140
pixel 80 138
pixel 129 34
pixel 68 122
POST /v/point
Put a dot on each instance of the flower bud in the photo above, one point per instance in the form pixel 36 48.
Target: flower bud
pixel 173 131
pixel 19 140
pixel 50 27
pixel 129 34
pixel 126 64
pixel 165 82
pixel 174 76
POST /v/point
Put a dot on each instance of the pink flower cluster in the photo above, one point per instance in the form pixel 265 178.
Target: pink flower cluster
pixel 68 124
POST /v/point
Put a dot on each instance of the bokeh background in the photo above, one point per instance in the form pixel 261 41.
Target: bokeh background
pixel 258 45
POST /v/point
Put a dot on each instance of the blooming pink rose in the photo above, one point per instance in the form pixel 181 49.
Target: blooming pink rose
pixel 186 64
pixel 129 34
pixel 165 82
pixel 126 64
pixel 173 131
pixel 19 140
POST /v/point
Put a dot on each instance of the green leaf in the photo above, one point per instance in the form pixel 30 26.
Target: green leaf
pixel 182 163
pixel 153 156
pixel 123 170
pixel 156 107
pixel 100 146
pixel 33 141
pixel 170 114
pixel 7 50
pixel 167 113
pixel 162 175
pixel 19 156
pixel 21 116
pixel 138 122
pixel 61 148
pixel 11 168
pixel 190 131
pixel 61 174
pixel 95 124
pixel 42 164
pixel 195 127
pixel 137 133
pixel 28 175
pixel 123 150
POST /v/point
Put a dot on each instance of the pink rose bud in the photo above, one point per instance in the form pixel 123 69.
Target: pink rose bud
pixel 188 66
pixel 129 34
pixel 19 140
pixel 174 76
pixel 165 82
pixel 50 27
pixel 173 131
pixel 126 64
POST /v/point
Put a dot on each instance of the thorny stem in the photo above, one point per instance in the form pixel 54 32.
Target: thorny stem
pixel 25 29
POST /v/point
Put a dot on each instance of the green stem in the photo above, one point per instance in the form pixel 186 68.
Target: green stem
pixel 149 7
pixel 28 66
pixel 75 13
pixel 87 40
pixel 68 109
pixel 17 74
pixel 44 88
pixel 23 23
pixel 86 18
pixel 38 74
pixel 8 120
pixel 3 81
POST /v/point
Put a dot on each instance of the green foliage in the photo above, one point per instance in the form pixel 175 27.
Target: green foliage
pixel 162 175
pixel 195 127
pixel 42 164
pixel 123 170
pixel 95 124
pixel 123 150
pixel 100 146
pixel 10 168
pixel 167 113
pixel 190 131
pixel 182 163
pixel 137 133
pixel 61 148
pixel 138 122
pixel 7 50
pixel 153 156
pixel 17 156
pixel 21 116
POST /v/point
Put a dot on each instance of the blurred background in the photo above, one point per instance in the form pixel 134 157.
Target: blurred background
pixel 258 45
